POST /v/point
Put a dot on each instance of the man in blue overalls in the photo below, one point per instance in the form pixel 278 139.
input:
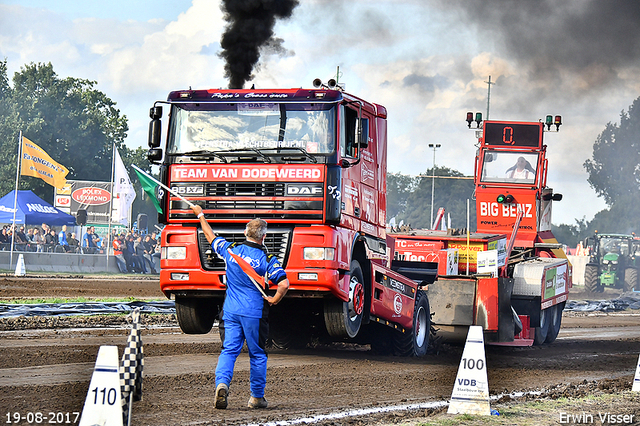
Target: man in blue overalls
pixel 245 309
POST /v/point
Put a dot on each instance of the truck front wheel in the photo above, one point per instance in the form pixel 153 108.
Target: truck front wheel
pixel 416 341
pixel 343 319
pixel 196 314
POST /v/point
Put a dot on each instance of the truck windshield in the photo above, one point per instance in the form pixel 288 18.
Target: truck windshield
pixel 506 166
pixel 254 126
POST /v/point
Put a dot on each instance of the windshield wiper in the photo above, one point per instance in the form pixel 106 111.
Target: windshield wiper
pixel 302 150
pixel 202 153
pixel 238 151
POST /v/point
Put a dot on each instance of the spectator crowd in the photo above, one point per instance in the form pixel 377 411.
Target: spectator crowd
pixel 134 251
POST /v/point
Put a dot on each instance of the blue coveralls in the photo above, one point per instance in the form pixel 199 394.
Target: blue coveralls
pixel 244 313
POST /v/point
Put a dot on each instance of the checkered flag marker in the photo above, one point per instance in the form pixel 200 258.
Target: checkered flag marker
pixel 131 369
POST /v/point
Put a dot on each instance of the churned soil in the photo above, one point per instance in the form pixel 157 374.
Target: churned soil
pixel 47 364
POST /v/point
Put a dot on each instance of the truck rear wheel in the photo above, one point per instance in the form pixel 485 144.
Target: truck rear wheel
pixel 555 323
pixel 196 314
pixel 284 333
pixel 546 317
pixel 415 342
pixel 592 279
pixel 630 279
pixel 343 319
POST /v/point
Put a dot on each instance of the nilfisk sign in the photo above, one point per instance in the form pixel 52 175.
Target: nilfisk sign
pixel 94 197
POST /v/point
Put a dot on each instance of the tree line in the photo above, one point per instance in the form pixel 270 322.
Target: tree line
pixel 76 124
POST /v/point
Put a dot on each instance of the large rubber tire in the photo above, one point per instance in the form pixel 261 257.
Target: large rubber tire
pixel 630 279
pixel 343 319
pixel 555 323
pixel 380 337
pixel 415 342
pixel 592 279
pixel 285 338
pixel 540 335
pixel 196 314
pixel 284 333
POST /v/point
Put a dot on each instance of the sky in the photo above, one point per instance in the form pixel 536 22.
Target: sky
pixel 426 61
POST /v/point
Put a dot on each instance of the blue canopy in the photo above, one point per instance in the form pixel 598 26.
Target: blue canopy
pixel 32 210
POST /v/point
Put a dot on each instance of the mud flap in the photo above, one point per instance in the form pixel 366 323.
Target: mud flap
pixel 506 324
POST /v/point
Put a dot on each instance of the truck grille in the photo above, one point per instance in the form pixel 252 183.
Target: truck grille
pixel 244 189
pixel 276 241
pixel 244 204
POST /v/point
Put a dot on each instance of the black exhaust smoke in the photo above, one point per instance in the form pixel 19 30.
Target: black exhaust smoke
pixel 250 27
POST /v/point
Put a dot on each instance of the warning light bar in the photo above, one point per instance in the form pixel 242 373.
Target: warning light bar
pixel 478 119
pixel 549 120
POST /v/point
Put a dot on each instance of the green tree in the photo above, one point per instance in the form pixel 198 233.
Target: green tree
pixel 399 187
pixel 614 173
pixel 570 235
pixel 451 191
pixel 73 122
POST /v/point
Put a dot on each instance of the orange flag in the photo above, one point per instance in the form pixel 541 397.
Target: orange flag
pixel 37 163
pixel 257 280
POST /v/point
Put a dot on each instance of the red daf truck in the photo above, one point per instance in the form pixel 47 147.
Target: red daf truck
pixel 510 276
pixel 312 163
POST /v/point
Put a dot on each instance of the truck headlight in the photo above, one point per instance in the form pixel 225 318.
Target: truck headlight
pixel 605 262
pixel 174 253
pixel 615 262
pixel 318 253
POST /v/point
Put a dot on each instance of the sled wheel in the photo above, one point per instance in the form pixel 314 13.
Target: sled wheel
pixel 415 342
pixel 555 323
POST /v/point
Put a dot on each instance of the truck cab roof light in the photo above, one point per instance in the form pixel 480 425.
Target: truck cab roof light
pixel 558 122
pixel 469 118
pixel 478 119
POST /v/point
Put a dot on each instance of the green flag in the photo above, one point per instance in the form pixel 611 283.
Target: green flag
pixel 150 187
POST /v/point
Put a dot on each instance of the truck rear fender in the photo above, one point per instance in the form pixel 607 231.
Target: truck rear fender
pixel 394 296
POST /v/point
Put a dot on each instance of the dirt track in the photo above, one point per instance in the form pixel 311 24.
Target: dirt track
pixel 48 370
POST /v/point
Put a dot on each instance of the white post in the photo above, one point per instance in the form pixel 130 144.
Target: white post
pixel 15 199
pixel 113 163
pixel 433 177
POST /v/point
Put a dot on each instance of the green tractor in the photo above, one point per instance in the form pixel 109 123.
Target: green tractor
pixel 612 262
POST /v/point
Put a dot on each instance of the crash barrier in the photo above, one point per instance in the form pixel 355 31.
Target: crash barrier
pixel 115 386
pixel 578 263
pixel 75 263
pixel 471 389
pixel 86 308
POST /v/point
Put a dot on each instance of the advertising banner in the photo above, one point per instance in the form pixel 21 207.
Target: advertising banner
pixel 94 197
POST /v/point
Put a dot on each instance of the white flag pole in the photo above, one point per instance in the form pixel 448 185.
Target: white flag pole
pixel 113 165
pixel 174 193
pixel 15 199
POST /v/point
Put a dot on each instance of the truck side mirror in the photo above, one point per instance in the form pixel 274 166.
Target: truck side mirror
pixel 155 130
pixel 154 155
pixel 155 112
